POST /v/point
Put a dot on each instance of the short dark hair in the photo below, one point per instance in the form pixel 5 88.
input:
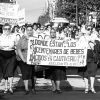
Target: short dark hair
pixel 29 25
pixel 38 25
pixel 34 24
pixel 53 30
pixel 6 24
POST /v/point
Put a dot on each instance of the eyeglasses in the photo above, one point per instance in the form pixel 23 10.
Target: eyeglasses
pixel 6 28
pixel 88 29
pixel 29 30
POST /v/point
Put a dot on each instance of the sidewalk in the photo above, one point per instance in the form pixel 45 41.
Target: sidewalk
pixel 75 81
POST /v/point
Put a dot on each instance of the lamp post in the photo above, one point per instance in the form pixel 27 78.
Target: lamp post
pixel 86 15
pixel 76 13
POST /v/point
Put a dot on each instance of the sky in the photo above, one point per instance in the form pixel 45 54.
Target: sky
pixel 33 8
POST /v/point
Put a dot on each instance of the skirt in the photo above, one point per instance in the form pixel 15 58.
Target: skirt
pixel 8 63
pixel 28 71
pixel 91 68
pixel 56 73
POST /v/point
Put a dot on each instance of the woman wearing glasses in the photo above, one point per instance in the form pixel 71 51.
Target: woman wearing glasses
pixel 22 47
pixel 89 71
pixel 7 56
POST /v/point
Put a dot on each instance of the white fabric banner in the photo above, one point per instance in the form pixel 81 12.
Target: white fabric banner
pixel 10 13
pixel 8 10
pixel 56 53
pixel 21 17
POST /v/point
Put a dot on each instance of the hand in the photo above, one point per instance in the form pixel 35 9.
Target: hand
pixel 66 66
pixel 37 62
pixel 13 47
pixel 24 60
pixel 1 47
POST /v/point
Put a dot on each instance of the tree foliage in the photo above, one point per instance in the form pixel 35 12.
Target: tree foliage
pixel 44 18
pixel 67 8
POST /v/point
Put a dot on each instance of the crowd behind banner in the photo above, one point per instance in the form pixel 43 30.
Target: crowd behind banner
pixel 54 49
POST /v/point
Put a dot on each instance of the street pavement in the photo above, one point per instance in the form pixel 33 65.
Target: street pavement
pixel 72 89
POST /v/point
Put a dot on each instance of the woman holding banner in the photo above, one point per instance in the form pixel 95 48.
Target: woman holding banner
pixel 22 47
pixel 89 71
pixel 56 73
pixel 8 56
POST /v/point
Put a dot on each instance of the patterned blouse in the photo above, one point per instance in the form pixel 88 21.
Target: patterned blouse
pixel 23 46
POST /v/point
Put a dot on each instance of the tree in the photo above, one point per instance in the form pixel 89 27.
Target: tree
pixel 67 8
pixel 44 18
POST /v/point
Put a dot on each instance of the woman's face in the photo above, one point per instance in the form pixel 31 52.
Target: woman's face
pixel 23 30
pixel 53 33
pixel 35 27
pixel 16 29
pixel 29 31
pixel 6 29
pixel 65 30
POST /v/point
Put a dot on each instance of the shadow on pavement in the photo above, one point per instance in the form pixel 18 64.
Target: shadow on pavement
pixel 2 97
pixel 97 88
pixel 65 86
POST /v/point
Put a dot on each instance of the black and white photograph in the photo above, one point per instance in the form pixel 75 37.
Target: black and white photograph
pixel 49 49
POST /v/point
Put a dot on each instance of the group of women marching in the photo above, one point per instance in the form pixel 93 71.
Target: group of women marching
pixel 14 46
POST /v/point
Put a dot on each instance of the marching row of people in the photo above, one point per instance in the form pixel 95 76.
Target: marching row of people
pixel 14 43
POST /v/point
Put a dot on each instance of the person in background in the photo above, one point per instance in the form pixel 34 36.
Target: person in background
pixel 48 27
pixel 40 31
pixel 35 30
pixel 1 29
pixel 19 32
pixel 35 27
pixel 47 30
pixel 77 36
pixel 22 47
pixel 94 34
pixel 15 29
pixel 73 31
pixel 22 30
pixel 60 33
pixel 8 56
pixel 38 26
pixel 66 31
